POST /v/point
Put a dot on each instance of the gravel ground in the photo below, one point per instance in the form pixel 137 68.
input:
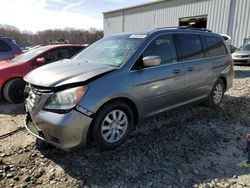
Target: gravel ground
pixel 188 147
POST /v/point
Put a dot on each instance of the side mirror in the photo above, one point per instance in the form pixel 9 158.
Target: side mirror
pixel 151 61
pixel 41 60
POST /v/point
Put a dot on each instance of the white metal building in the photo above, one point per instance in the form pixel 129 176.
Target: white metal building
pixel 230 17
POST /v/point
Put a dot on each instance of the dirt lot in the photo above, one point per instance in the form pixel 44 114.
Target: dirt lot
pixel 190 147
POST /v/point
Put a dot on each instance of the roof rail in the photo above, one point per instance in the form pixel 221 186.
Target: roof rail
pixel 194 28
pixel 170 27
pixel 185 27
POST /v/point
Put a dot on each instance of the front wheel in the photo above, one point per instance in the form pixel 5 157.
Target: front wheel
pixel 217 94
pixel 113 124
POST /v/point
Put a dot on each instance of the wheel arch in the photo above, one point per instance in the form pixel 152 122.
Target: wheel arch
pixel 5 82
pixel 223 78
pixel 124 99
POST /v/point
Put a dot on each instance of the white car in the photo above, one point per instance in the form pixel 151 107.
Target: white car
pixel 242 55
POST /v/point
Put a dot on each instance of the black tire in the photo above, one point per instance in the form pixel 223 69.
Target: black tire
pixel 41 145
pixel 117 107
pixel 13 90
pixel 211 101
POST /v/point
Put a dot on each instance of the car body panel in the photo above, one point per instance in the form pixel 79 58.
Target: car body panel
pixel 13 50
pixel 59 73
pixel 9 71
pixel 58 130
pixel 198 74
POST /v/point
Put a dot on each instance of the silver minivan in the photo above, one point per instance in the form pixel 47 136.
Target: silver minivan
pixel 103 92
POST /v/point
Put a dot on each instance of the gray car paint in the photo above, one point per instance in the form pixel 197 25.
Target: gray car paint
pixel 151 90
pixel 62 73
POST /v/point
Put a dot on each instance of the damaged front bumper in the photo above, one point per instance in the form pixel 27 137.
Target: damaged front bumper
pixel 63 130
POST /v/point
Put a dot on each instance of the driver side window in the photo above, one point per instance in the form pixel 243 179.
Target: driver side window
pixel 56 55
pixel 162 46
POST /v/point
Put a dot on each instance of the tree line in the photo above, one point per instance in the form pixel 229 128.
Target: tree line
pixel 71 35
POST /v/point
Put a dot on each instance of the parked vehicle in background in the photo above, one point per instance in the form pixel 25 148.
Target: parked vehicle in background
pixel 118 81
pixel 242 55
pixel 28 48
pixel 9 48
pixel 12 72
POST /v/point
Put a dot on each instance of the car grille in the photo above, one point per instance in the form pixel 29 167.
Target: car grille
pixel 35 94
pixel 242 56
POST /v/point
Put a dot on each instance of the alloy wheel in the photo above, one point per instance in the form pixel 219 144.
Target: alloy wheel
pixel 217 93
pixel 114 126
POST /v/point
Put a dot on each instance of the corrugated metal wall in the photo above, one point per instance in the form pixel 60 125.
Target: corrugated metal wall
pixel 239 26
pixel 113 23
pixel 230 17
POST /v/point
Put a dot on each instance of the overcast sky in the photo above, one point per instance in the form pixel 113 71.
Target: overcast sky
pixel 37 15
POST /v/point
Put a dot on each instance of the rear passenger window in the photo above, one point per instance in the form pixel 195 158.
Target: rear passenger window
pixel 164 47
pixel 189 47
pixel 214 46
pixel 4 47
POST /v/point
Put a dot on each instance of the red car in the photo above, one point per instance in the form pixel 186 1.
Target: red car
pixel 12 72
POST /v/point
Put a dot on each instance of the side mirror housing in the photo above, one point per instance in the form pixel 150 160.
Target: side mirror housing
pixel 151 61
pixel 41 60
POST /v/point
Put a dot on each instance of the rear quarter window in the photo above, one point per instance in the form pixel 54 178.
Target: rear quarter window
pixel 4 47
pixel 213 46
pixel 189 47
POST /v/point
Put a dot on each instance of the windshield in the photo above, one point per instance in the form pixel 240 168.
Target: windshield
pixel 245 47
pixel 29 55
pixel 112 50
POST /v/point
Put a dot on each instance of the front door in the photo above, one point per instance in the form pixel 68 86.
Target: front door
pixel 160 87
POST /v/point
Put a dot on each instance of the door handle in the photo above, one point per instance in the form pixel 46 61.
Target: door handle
pixel 176 71
pixel 190 69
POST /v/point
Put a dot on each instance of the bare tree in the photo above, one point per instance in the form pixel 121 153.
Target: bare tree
pixel 75 36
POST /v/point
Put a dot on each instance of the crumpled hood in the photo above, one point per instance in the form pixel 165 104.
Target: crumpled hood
pixel 65 72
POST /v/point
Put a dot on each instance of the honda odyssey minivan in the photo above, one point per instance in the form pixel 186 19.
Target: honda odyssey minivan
pixel 116 82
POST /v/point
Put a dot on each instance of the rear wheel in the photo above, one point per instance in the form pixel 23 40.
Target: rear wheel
pixel 217 94
pixel 13 90
pixel 113 124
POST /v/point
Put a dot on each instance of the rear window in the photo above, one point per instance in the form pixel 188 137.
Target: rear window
pixel 213 46
pixel 189 47
pixel 4 47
